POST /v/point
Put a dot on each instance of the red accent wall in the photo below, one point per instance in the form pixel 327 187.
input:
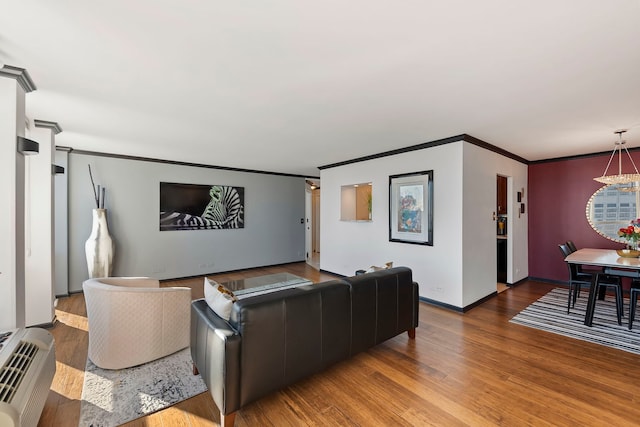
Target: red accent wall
pixel 557 200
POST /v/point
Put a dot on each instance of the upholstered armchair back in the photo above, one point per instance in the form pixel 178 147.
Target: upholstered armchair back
pixel 132 320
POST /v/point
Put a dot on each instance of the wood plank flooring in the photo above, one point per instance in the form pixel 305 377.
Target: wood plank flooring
pixel 475 369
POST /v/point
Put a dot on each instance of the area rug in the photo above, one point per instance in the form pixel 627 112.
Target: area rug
pixel 114 397
pixel 549 313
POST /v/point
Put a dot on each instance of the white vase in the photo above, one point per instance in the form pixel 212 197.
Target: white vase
pixel 99 246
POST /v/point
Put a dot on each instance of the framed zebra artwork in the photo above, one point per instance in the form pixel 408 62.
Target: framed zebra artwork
pixel 200 207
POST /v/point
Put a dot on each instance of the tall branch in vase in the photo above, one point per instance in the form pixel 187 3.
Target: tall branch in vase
pixel 98 194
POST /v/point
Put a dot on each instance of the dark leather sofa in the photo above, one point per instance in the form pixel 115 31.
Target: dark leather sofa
pixel 275 339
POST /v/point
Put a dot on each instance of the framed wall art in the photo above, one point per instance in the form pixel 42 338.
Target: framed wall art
pixel 411 208
pixel 200 207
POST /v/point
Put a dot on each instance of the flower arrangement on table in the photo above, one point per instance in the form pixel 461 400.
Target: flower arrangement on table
pixel 631 233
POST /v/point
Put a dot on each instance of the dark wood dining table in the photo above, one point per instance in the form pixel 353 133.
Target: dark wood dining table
pixel 613 264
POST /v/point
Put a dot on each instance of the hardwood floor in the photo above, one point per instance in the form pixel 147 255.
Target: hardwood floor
pixel 474 369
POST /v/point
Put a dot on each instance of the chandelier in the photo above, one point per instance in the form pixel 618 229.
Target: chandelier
pixel 620 178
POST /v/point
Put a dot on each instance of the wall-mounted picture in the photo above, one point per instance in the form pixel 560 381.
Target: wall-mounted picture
pixel 200 207
pixel 411 208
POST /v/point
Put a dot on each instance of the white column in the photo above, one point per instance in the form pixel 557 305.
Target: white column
pixel 61 233
pixel 39 227
pixel 14 83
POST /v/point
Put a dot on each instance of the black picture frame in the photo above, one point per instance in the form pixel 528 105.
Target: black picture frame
pixel 200 207
pixel 411 208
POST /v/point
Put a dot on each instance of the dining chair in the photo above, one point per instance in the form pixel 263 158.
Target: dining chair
pixel 576 277
pixel 615 282
pixel 633 300
pixel 581 268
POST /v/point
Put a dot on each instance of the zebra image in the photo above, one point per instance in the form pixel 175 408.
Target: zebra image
pixel 225 207
pixel 224 210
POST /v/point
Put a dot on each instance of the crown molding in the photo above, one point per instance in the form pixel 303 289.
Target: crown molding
pixel 54 126
pixel 463 137
pixel 21 75
pixel 175 162
pixel 579 156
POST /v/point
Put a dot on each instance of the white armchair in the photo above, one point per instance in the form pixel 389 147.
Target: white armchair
pixel 132 320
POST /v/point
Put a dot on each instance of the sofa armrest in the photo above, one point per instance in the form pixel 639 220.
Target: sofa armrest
pixel 385 304
pixel 215 350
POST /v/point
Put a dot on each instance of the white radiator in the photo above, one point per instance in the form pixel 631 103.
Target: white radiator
pixel 27 366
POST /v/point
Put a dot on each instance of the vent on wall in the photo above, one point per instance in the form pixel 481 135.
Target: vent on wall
pixel 13 372
pixel 27 367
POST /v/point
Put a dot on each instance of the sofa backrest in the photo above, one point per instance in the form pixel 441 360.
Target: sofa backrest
pixel 385 304
pixel 290 334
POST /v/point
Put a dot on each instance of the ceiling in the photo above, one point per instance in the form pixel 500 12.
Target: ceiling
pixel 286 86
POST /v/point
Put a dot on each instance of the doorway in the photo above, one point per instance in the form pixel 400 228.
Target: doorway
pixel 502 235
pixel 312 223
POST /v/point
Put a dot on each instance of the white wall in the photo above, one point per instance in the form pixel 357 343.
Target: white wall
pixel 273 233
pixel 349 246
pixel 481 167
pixel 460 268
pixel 39 275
